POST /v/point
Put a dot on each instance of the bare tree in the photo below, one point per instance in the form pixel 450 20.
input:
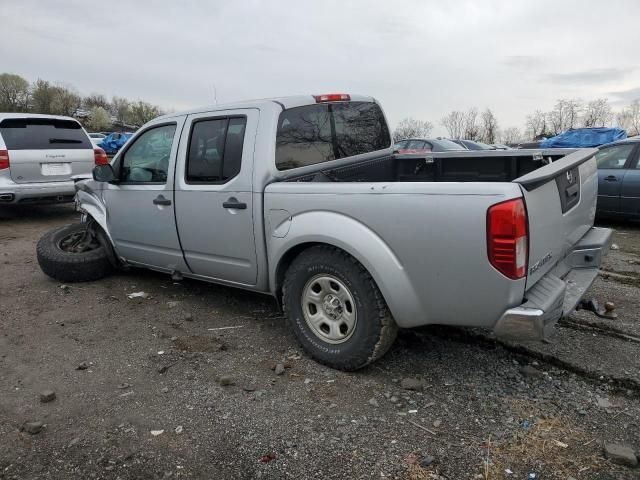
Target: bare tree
pixel 597 113
pixel 489 127
pixel 536 125
pixel 121 109
pixel 65 100
pixel 511 136
pixel 454 123
pixel 42 95
pixel 412 128
pixel 142 112
pixel 629 118
pixel 14 93
pixel 95 100
pixel 564 115
pixel 573 108
pixel 471 127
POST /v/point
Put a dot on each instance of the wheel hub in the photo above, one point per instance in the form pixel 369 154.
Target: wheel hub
pixel 332 306
pixel 329 308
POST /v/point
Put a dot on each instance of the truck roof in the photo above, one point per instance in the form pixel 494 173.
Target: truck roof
pixel 284 102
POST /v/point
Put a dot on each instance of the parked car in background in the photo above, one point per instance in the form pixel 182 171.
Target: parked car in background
pixel 423 145
pixel 113 142
pixel 500 146
pixel 302 198
pixel 38 156
pixel 96 138
pixel 529 145
pixel 619 179
pixel 473 145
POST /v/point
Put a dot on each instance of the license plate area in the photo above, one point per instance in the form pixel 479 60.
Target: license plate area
pixel 55 169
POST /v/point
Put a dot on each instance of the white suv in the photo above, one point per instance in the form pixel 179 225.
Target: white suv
pixel 39 154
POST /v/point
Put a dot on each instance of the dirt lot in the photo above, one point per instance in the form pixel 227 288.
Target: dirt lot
pixel 168 392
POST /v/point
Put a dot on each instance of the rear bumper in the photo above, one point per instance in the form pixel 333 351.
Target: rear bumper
pixel 557 293
pixel 12 193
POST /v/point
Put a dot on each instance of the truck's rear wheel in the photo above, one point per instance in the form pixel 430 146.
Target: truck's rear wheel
pixel 336 310
pixel 73 253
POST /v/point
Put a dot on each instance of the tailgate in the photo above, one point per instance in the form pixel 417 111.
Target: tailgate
pixel 561 203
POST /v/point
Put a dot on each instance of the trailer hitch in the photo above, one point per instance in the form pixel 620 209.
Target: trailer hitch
pixel 592 305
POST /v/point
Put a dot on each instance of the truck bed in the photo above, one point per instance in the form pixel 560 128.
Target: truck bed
pixel 427 214
pixel 471 166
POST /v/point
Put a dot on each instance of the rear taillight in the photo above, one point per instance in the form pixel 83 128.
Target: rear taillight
pixel 332 97
pixel 4 159
pixel 507 238
pixel 100 156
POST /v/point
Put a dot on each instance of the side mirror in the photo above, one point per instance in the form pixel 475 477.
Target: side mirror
pixel 104 173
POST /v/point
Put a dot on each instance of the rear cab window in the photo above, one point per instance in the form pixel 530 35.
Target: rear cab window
pixel 43 134
pixel 323 132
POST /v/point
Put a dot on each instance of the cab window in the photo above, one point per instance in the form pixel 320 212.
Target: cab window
pixel 147 158
pixel 215 150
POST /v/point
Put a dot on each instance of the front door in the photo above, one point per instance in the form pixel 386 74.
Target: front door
pixel 611 168
pixel 214 199
pixel 140 206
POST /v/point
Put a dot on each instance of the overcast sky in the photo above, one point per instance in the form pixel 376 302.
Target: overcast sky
pixel 419 58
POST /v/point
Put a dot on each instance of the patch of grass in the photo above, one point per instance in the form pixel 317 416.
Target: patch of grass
pixel 549 445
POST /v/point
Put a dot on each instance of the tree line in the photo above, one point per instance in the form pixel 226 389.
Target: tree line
pixel 566 114
pixel 95 111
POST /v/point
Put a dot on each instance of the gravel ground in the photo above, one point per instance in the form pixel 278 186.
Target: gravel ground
pixel 157 387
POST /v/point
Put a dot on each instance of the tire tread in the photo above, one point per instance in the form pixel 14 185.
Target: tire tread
pixel 381 340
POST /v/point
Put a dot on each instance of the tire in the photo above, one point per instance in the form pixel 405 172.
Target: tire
pixel 339 347
pixel 70 267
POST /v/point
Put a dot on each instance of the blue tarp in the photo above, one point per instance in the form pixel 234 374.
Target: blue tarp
pixel 114 141
pixel 584 137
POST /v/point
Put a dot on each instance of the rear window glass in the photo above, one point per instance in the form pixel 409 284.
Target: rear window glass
pixel 43 134
pixel 319 133
pixel 446 145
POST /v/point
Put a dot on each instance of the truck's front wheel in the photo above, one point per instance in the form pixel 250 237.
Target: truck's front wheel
pixel 336 310
pixel 73 253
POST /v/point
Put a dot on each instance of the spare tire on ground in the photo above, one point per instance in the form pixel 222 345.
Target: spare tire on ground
pixel 73 253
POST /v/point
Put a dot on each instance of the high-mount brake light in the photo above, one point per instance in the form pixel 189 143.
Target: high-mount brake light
pixel 332 97
pixel 507 238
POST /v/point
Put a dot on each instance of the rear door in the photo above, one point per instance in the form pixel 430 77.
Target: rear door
pixel 46 149
pixel 560 199
pixel 214 199
pixel 612 163
pixel 630 192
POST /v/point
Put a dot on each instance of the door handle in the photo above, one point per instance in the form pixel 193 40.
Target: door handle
pixel 611 178
pixel 233 203
pixel 160 200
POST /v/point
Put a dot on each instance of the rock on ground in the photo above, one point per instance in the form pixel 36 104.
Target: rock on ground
pixel 620 454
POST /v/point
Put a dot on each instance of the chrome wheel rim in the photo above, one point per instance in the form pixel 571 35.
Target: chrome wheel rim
pixel 329 309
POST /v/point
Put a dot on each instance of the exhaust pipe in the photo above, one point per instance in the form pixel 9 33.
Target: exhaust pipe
pixel 6 197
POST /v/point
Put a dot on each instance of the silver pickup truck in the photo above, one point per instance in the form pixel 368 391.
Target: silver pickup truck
pixel 303 199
